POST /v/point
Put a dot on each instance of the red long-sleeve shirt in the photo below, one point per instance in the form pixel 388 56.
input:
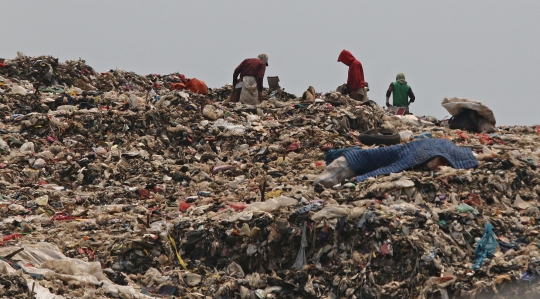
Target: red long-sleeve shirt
pixel 355 80
pixel 250 67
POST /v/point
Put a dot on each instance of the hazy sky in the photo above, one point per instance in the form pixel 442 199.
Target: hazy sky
pixel 486 50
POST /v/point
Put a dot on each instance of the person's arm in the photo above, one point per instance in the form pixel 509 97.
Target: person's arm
pixel 354 78
pixel 411 95
pixel 260 77
pixel 362 82
pixel 388 93
pixel 237 73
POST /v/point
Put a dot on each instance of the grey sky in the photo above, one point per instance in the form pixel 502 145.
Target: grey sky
pixel 485 50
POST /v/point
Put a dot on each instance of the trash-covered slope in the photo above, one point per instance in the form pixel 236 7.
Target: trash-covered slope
pixel 116 186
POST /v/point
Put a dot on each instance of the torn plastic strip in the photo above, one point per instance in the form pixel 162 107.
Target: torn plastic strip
pixel 177 254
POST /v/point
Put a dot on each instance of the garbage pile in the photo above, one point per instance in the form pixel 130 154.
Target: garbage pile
pixel 114 185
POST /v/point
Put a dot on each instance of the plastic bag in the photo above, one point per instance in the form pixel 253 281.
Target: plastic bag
pixel 410 120
pixel 485 247
pixel 465 208
pixel 272 204
pixel 209 112
pixel 520 203
pixel 3 145
pixel 331 212
pixel 133 102
pixel 39 163
pixel 335 173
pixel 249 93
pixel 406 136
pixel 16 89
pixel 27 147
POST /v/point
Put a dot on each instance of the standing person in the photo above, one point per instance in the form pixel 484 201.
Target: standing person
pixel 401 93
pixel 355 79
pixel 248 81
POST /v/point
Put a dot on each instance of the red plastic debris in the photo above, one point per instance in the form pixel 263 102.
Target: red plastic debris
pixel 485 139
pixel 184 206
pixel 293 146
pixel 10 237
pixel 384 250
pixel 238 206
pixel 85 251
pixel 474 200
pixel 62 217
pixel 143 193
pixel 327 146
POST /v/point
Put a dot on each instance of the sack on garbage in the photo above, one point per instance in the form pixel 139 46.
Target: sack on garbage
pixel 197 86
pixel 249 94
pixel 470 115
pixel 308 97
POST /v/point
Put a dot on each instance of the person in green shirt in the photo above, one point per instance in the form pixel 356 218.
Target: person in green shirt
pixel 401 92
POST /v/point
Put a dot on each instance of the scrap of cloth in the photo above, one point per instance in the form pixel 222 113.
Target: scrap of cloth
pixel 382 161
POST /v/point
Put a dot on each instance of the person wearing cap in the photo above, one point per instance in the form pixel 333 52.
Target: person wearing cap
pixel 355 79
pixel 401 93
pixel 248 80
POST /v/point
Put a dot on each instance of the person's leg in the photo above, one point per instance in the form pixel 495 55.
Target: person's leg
pixel 357 95
pixel 360 93
pixel 235 96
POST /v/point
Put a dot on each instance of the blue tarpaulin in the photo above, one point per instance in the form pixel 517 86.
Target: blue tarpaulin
pixel 381 161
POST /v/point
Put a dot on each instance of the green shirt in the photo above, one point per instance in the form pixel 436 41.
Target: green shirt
pixel 400 94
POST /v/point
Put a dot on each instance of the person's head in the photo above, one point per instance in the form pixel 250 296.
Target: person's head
pixel 264 58
pixel 346 57
pixel 401 78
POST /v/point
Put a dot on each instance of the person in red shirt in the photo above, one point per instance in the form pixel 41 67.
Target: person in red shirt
pixel 355 80
pixel 251 67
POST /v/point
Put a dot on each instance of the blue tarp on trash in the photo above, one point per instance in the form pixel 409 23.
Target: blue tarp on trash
pixel 381 161
pixel 333 154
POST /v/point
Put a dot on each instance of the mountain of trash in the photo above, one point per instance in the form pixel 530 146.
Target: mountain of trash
pixel 117 185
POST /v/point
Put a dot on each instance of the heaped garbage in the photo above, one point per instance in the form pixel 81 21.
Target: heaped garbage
pixel 119 185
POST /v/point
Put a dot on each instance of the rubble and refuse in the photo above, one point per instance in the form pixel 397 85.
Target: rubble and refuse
pixel 115 185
